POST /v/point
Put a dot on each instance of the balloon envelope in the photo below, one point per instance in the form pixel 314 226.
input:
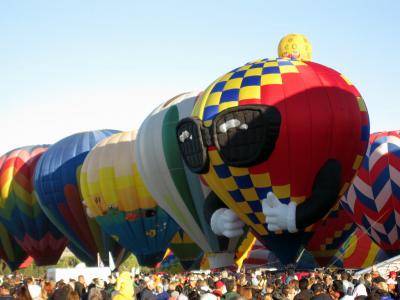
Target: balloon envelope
pixel 10 251
pixel 20 211
pixel 185 250
pixel 177 190
pixel 333 125
pixel 56 185
pixel 373 199
pixel 117 198
pixel 358 252
pixel 329 235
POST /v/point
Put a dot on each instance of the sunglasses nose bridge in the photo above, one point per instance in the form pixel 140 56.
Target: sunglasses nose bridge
pixel 206 133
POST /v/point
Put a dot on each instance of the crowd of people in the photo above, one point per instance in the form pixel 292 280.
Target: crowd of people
pixel 223 285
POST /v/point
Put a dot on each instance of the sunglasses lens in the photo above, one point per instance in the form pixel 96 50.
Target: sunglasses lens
pixel 246 136
pixel 192 146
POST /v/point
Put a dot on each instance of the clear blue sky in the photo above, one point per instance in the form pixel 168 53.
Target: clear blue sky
pixel 68 66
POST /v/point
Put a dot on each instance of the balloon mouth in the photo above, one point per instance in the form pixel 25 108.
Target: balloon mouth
pixel 221 260
pixel 46 260
pixel 151 259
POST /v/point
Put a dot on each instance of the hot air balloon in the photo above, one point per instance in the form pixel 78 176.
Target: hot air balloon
pixel 373 198
pixel 280 130
pixel 177 190
pixel 295 46
pixel 168 260
pixel 116 196
pixel 10 252
pixel 358 252
pixel 188 253
pixel 20 212
pixel 56 185
pixel 329 235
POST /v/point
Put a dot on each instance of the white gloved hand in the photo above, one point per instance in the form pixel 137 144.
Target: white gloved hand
pixel 279 216
pixel 225 222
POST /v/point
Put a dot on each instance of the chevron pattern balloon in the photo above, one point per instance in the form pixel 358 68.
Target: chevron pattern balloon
pixel 373 199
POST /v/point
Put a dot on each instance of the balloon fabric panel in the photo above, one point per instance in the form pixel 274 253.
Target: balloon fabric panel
pixel 21 213
pixel 372 199
pixel 58 193
pixel 116 196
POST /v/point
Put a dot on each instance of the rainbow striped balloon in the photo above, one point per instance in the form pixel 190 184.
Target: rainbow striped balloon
pixel 20 211
pixel 358 252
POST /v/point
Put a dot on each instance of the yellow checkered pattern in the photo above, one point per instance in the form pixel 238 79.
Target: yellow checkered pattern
pixel 242 85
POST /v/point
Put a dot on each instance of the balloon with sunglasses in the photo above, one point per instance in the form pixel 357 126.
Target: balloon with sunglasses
pixel 115 195
pixel 177 190
pixel 373 198
pixel 279 141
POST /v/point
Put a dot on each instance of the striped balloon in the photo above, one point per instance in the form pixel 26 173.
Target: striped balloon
pixel 373 199
pixel 178 191
pixel 20 211
pixel 115 196
pixel 358 252
pixel 56 184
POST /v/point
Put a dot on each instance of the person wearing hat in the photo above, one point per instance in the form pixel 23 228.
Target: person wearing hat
pixel 220 289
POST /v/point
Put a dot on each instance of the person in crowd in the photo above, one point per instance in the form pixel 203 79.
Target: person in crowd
pixel 305 293
pixel 161 294
pixel 5 291
pixel 80 287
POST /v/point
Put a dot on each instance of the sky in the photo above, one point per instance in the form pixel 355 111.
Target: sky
pixel 70 65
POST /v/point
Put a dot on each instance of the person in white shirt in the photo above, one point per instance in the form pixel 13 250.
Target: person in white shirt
pixel 34 290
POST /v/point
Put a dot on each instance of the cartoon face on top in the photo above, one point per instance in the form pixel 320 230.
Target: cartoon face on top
pixel 278 140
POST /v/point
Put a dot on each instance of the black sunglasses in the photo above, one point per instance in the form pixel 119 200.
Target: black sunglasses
pixel 244 136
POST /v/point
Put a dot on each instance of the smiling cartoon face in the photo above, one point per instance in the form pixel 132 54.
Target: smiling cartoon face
pixel 295 46
pixel 269 126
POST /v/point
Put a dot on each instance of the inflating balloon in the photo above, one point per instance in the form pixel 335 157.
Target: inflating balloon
pixel 279 141
pixel 188 253
pixel 20 212
pixel 373 199
pixel 177 190
pixel 10 252
pixel 295 46
pixel 168 260
pixel 56 185
pixel 358 252
pixel 329 235
pixel 114 194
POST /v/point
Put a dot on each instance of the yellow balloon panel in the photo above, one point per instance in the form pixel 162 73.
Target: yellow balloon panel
pixel 295 46
pixel 110 177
